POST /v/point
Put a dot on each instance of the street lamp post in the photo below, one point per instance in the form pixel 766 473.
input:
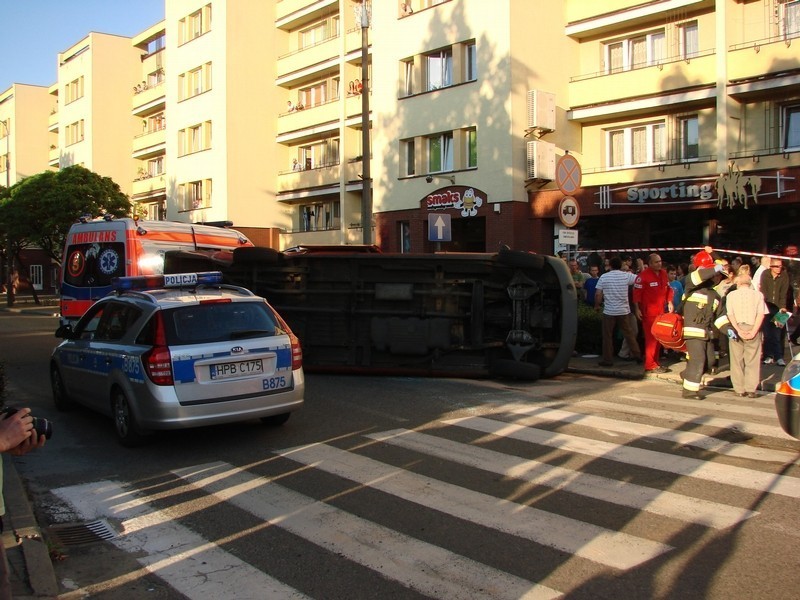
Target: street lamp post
pixel 362 13
pixel 9 260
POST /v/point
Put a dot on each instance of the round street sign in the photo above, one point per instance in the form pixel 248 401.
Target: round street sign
pixel 568 175
pixel 568 211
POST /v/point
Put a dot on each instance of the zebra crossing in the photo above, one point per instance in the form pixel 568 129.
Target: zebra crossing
pixel 482 482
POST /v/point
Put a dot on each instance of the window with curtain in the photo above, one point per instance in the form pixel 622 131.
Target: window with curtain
pixel 410 156
pixel 472 148
pixel 636 52
pixel 637 146
pixel 471 61
pixel 791 19
pixel 690 40
pixel 408 77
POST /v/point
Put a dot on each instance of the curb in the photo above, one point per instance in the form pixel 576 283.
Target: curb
pixel 31 570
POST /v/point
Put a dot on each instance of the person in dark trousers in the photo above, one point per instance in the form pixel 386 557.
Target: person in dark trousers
pixel 702 310
pixel 775 287
pixel 612 293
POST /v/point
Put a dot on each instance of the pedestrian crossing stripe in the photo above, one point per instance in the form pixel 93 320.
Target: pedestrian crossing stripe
pixel 668 463
pixel 666 504
pixel 603 546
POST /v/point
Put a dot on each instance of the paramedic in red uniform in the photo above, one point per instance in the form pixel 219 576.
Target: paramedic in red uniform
pixel 651 294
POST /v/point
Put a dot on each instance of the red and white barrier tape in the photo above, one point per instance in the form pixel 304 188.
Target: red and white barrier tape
pixel 725 251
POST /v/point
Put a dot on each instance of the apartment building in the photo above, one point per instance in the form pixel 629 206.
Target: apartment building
pixel 689 116
pixel 631 124
pixel 93 122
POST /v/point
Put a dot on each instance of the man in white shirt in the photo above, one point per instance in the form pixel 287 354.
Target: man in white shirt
pixel 612 292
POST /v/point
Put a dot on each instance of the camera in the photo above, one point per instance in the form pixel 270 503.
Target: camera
pixel 40 426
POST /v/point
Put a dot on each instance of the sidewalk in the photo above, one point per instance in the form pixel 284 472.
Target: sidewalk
pixel 622 369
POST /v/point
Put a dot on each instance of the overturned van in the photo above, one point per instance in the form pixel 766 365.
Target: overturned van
pixel 510 314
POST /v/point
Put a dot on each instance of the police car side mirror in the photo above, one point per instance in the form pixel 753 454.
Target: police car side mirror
pixel 65 332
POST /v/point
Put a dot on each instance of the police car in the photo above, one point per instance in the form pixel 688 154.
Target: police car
pixel 787 398
pixel 178 351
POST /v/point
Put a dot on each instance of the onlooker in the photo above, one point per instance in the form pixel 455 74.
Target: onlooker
pixel 775 287
pixel 651 291
pixel 590 284
pixel 676 285
pixel 16 437
pixel 746 310
pixel 612 292
pixel 578 277
pixel 762 268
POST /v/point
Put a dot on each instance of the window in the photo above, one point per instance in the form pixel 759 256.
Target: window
pixel 689 138
pixel 157 44
pixel 791 19
pixel 405 237
pixel 194 82
pixel 471 62
pixel 410 157
pixel 319 154
pixel 155 166
pixel 155 122
pixel 194 25
pixel 155 78
pixel 73 90
pixel 690 41
pixel 439 69
pixel 791 127
pixel 472 147
pixel 635 146
pixel 194 138
pixel 408 76
pixel 635 53
pixel 73 133
pixel 314 95
pixel 319 32
pixel 195 194
pixel 320 216
pixel 440 153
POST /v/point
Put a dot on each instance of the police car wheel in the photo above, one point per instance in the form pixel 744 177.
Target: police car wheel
pixel 61 400
pixel 125 423
pixel 275 420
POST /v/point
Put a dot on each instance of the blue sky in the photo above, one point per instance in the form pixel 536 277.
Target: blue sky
pixel 35 31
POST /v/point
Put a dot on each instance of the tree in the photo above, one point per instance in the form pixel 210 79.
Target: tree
pixel 41 208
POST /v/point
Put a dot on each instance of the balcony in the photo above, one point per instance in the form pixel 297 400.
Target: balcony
pixel 148 186
pixel 657 80
pixel 52 122
pixel 147 98
pixel 308 117
pixel 291 14
pixel 325 176
pixel 311 58
pixel 150 143
pixel 762 64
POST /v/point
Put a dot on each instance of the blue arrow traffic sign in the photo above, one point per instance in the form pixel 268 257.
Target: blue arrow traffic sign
pixel 439 229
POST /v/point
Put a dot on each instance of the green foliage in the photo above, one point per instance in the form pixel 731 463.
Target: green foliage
pixel 42 207
pixel 590 330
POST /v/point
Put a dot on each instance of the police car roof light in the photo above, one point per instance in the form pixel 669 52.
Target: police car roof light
pixel 145 282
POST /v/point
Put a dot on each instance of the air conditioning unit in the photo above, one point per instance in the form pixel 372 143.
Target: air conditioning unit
pixel 541 110
pixel 541 160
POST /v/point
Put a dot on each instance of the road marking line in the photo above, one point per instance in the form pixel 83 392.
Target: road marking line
pixel 686 418
pixel 668 504
pixel 603 546
pixel 690 467
pixel 419 565
pixel 188 563
pixel 538 415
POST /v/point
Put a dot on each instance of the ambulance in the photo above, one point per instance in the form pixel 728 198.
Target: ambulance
pixel 97 250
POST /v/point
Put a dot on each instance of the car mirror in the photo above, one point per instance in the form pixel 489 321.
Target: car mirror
pixel 65 332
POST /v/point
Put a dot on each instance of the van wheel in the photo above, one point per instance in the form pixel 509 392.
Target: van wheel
pixel 276 420
pixel 128 432
pixel 248 255
pixel 61 399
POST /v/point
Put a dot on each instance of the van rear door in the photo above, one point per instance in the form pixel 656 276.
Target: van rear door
pixel 94 253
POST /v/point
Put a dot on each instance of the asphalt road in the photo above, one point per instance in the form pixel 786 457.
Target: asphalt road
pixel 578 486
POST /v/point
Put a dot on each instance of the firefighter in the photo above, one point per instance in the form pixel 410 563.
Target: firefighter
pixel 702 311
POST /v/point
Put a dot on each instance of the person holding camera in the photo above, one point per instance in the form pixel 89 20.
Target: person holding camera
pixel 17 437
